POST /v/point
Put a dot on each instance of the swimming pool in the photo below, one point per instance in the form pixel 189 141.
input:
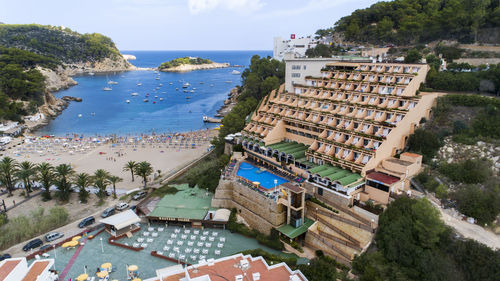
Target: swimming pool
pixel 252 173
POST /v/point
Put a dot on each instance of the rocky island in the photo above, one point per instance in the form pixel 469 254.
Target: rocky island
pixel 189 64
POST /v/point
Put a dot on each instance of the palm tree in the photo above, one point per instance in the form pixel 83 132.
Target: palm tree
pixel 82 181
pixel 144 169
pixel 114 180
pixel 8 168
pixel 26 172
pixel 101 180
pixel 45 174
pixel 62 174
pixel 130 166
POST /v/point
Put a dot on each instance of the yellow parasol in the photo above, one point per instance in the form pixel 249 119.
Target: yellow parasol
pixel 106 265
pixel 76 238
pixel 82 277
pixel 102 274
pixel 133 268
pixel 65 245
pixel 72 243
pixel 137 279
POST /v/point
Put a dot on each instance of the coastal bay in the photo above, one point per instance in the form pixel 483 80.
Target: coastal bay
pixel 107 112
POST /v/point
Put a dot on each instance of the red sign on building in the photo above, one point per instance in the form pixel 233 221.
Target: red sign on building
pixel 292 36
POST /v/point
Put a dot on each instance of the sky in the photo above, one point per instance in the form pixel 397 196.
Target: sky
pixel 184 24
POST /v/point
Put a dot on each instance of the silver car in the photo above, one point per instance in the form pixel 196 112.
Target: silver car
pixel 53 236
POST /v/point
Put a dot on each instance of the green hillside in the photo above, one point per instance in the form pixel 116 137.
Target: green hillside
pixel 64 45
pixel 419 21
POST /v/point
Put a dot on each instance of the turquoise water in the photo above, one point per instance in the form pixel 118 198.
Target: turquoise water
pixel 106 112
pixel 92 255
pixel 253 173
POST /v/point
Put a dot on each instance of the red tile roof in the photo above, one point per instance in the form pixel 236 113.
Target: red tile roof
pixel 37 268
pixel 7 268
pixel 229 268
pixel 383 178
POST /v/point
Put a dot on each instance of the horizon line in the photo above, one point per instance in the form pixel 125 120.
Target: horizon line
pixel 220 50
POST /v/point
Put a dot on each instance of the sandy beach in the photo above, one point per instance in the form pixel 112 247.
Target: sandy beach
pixel 166 152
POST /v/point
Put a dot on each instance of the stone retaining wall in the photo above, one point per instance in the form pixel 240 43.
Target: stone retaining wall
pixel 259 212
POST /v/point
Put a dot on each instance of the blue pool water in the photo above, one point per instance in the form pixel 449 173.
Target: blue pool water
pixel 252 173
pixel 107 112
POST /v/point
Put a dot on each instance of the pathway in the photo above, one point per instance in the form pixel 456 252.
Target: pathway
pixel 71 261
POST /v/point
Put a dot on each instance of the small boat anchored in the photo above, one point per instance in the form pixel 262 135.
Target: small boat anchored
pixel 134 94
pixel 139 84
pixel 107 89
pixel 235 72
pixel 186 85
pixel 127 101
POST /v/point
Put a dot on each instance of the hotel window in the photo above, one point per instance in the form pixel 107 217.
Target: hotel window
pixel 376 144
pixel 356 125
pixel 366 158
pixel 295 67
pixel 305 67
pixel 337 150
pixel 351 109
pixel 328 133
pixel 297 75
pixel 366 142
pixel 401 103
pixel 346 137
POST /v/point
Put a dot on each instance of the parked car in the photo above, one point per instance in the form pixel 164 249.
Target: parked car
pixel 45 247
pixel 5 256
pixel 139 195
pixel 86 222
pixel 33 244
pixel 53 236
pixel 108 212
pixel 121 206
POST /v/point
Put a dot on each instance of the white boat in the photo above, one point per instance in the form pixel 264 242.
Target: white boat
pixel 202 82
pixel 134 94
pixel 211 85
pixel 161 98
pixel 185 91
pixel 157 78
pixel 112 82
pixel 177 89
pixel 186 85
pixel 127 101
pixel 107 89
pixel 156 97
pixel 192 91
pixel 229 81
pixel 194 88
pixel 79 116
pixel 160 84
pixel 139 84
pixel 91 73
pixel 93 113
pixel 146 100
pixel 170 83
pixel 235 72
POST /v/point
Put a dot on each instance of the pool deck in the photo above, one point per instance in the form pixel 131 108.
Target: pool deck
pixel 264 177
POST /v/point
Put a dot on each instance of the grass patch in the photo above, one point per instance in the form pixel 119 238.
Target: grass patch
pixel 164 190
pixel 22 228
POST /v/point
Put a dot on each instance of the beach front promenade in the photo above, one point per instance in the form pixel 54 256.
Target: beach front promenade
pixel 165 152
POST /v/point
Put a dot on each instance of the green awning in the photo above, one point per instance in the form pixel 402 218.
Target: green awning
pixel 292 232
pixel 345 181
pixel 318 169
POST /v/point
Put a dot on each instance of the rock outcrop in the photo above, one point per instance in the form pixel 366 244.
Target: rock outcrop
pixel 191 67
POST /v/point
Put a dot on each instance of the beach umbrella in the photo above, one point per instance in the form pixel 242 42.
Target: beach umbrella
pixel 76 238
pixel 65 245
pixel 72 243
pixel 106 265
pixel 102 274
pixel 137 279
pixel 82 277
pixel 133 268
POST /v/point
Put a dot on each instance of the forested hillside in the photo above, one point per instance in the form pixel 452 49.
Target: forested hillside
pixel 63 45
pixel 419 21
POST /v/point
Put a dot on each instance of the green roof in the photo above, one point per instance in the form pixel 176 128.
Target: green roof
pixel 292 232
pixel 344 177
pixel 349 179
pixel 187 203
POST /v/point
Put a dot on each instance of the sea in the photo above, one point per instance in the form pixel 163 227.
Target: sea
pixel 169 109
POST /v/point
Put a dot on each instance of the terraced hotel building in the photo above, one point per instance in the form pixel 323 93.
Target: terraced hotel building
pixel 338 124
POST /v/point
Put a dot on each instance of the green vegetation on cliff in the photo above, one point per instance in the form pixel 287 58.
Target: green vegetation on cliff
pixel 184 60
pixel 412 21
pixel 412 243
pixel 20 81
pixel 61 44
